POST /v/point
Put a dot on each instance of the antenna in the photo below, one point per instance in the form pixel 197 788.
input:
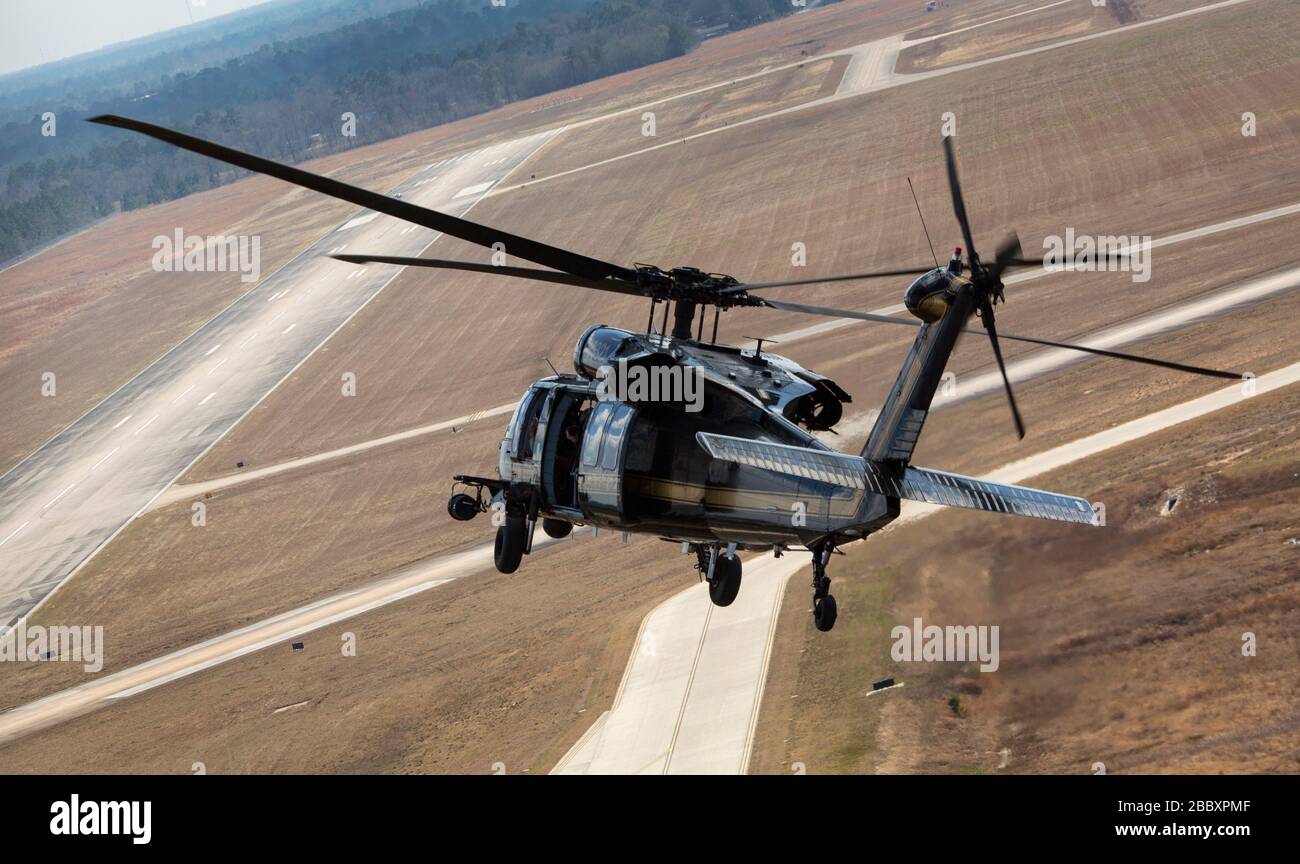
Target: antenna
pixel 552 365
pixel 923 228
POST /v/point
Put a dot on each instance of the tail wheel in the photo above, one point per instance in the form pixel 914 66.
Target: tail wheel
pixel 824 612
pixel 511 539
pixel 726 581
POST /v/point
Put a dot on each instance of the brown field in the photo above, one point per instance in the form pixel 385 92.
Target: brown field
pixel 267 547
pixel 496 668
pixel 486 669
pixel 1120 645
pixel 957 16
pixel 1068 21
pixel 683 117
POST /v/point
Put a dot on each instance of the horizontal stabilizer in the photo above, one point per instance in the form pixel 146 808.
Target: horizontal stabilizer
pixel 827 466
pixel 914 484
pixel 957 490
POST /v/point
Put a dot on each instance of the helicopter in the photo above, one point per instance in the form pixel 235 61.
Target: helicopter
pixel 724 457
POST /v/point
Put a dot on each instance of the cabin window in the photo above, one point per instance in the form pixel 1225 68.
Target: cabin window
pixel 595 433
pixel 614 437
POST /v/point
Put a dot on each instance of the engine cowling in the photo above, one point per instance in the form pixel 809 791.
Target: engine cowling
pixel 821 409
pixel 929 297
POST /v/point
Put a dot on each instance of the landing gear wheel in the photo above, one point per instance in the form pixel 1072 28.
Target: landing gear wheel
pixel 824 612
pixel 462 507
pixel 726 581
pixel 557 529
pixel 511 539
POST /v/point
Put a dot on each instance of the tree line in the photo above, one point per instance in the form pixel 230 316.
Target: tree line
pixel 398 73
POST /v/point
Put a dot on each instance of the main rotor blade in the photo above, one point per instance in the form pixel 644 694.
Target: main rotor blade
pixel 958 202
pixel 1100 352
pixel 986 314
pixel 615 285
pixel 1119 355
pixel 1006 253
pixel 1109 256
pixel 522 247
pixel 758 286
pixel 838 313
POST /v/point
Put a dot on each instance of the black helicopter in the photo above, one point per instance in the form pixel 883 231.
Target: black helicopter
pixel 737 468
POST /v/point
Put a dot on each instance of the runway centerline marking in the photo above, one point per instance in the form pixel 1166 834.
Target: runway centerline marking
pixel 105 459
pixel 209 396
pixel 218 366
pixel 123 420
pixel 71 486
pixel 183 395
pixel 212 350
pixel 14 533
pixel 146 424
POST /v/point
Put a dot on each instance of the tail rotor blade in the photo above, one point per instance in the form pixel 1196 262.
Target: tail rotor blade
pixel 986 312
pixel 958 202
pixel 1008 253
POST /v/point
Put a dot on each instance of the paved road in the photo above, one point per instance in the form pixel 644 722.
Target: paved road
pixel 67 499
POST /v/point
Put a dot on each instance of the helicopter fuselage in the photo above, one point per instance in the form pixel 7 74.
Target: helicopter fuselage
pixel 574 452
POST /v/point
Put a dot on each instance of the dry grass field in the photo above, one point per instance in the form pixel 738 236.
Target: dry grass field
pixel 1065 21
pixel 1135 133
pixel 1120 645
pixel 752 97
pixel 486 669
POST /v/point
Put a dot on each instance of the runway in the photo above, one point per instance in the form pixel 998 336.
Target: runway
pixel 71 496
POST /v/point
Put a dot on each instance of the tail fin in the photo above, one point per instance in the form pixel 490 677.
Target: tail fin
pixel 897 428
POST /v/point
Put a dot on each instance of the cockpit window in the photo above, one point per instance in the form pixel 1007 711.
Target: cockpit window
pixel 526 427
